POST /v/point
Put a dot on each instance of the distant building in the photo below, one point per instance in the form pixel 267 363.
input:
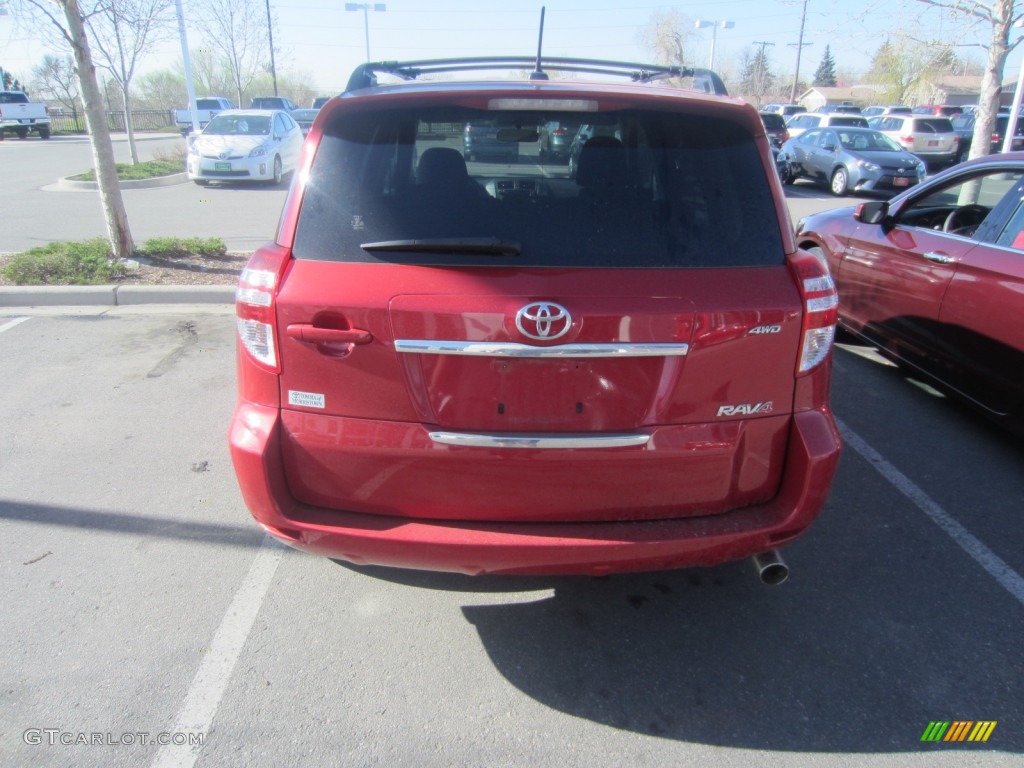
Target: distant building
pixel 959 90
pixel 859 95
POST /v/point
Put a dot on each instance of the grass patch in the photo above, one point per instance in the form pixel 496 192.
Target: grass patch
pixel 129 172
pixel 88 262
pixel 91 262
pixel 176 247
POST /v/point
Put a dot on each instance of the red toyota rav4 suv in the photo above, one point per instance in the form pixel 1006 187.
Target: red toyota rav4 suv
pixel 494 367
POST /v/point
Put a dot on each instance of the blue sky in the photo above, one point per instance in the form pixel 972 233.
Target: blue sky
pixel 322 40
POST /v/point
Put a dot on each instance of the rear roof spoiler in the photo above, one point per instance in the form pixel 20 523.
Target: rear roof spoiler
pixel 365 75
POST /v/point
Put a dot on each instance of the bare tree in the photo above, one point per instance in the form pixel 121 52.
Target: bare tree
pixel 1000 17
pixel 238 30
pixel 669 36
pixel 73 32
pixel 212 75
pixel 123 31
pixel 55 80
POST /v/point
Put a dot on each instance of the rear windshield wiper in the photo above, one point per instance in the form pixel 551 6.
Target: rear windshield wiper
pixel 489 246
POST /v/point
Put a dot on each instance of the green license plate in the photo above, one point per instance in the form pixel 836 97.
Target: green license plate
pixel 222 166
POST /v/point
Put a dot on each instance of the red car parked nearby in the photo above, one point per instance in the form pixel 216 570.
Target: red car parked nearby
pixel 935 279
pixel 498 368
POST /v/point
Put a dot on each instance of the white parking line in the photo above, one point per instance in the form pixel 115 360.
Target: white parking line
pixel 11 323
pixel 204 695
pixel 1010 580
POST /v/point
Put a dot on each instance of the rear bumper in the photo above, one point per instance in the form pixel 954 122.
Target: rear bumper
pixel 935 157
pixel 887 183
pixel 532 548
pixel 242 169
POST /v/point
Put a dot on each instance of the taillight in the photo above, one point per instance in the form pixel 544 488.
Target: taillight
pixel 254 304
pixel 907 139
pixel 559 131
pixel 821 310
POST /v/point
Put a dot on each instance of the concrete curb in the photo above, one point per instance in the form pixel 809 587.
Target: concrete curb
pixel 113 295
pixel 157 181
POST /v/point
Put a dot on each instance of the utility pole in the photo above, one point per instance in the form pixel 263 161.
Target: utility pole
pixel 799 50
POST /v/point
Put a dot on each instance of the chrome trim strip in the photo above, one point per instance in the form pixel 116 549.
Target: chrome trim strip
pixel 539 441
pixel 512 349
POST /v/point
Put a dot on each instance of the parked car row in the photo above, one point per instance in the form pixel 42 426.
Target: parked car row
pixel 963 124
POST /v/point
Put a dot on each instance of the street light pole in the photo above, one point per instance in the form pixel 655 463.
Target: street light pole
pixel 270 32
pixel 704 23
pixel 190 88
pixel 366 8
pixel 1011 124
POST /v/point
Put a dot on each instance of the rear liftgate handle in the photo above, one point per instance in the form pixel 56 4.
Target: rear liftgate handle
pixel 313 335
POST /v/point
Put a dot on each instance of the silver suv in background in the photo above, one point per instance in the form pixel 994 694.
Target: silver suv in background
pixel 885 109
pixel 804 122
pixel 930 138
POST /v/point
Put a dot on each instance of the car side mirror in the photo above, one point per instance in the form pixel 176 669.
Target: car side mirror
pixel 874 212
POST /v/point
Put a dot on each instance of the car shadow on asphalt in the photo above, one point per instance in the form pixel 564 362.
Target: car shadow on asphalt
pixel 132 525
pixel 884 627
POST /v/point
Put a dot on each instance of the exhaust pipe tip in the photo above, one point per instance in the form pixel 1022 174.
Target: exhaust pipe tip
pixel 771 567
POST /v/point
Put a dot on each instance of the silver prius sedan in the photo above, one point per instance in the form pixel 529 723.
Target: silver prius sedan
pixel 246 145
pixel 850 160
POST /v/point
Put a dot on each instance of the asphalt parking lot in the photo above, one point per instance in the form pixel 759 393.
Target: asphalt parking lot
pixel 146 607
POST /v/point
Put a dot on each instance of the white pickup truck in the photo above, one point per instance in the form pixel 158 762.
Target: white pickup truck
pixel 206 108
pixel 19 115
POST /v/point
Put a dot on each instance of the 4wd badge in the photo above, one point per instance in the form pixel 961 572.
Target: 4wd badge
pixel 745 409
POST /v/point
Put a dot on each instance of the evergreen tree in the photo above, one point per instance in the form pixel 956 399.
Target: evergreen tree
pixel 757 78
pixel 825 76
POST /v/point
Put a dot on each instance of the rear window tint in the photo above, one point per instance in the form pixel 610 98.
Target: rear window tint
pixel 650 189
pixel 932 125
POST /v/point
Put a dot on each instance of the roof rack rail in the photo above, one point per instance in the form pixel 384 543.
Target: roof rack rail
pixel 365 75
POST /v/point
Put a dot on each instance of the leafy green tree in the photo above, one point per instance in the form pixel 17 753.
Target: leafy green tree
pixel 825 76
pixel 161 89
pixel 900 66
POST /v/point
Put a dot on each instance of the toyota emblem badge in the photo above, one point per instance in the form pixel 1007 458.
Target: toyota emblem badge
pixel 543 321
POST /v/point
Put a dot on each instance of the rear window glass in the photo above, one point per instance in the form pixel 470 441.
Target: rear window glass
pixel 850 122
pixel 773 122
pixel 932 125
pixel 637 189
